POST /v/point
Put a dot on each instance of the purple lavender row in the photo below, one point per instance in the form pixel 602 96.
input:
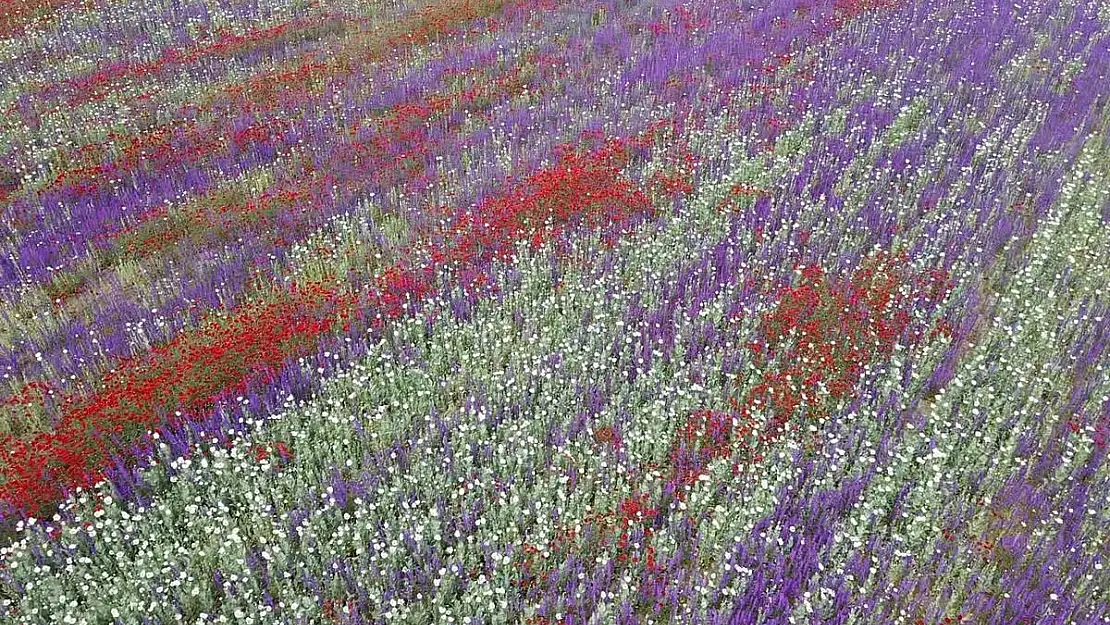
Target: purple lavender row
pixel 221 282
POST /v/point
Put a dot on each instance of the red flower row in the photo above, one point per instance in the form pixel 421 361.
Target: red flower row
pixel 199 369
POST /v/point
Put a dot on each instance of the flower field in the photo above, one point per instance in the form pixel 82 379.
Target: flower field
pixel 541 312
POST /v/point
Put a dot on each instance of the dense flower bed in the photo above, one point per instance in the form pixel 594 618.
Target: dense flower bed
pixel 531 311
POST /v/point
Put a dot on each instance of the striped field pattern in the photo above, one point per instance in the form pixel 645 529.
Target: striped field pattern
pixel 555 313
